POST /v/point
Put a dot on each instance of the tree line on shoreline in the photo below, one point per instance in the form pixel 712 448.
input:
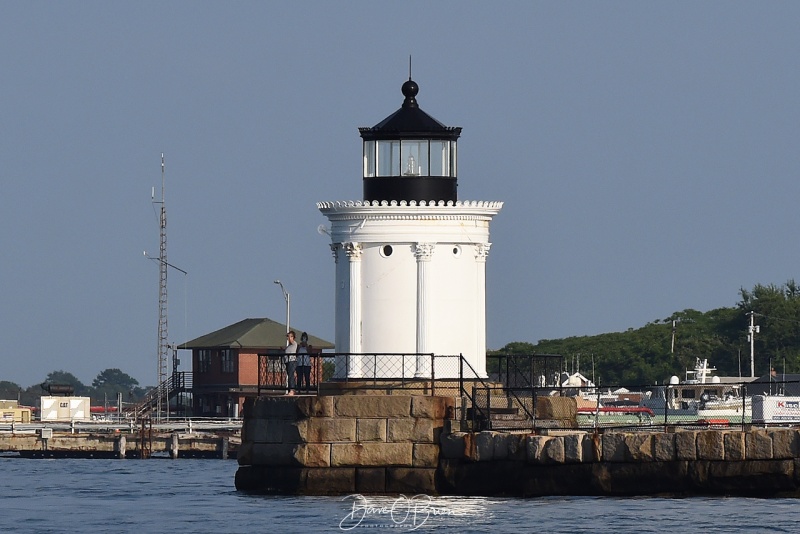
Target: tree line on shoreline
pixel 103 389
pixel 666 347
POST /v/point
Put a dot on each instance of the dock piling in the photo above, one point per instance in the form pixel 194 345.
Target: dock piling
pixel 173 451
pixel 120 445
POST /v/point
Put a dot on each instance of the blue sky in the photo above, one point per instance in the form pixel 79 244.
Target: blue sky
pixel 646 154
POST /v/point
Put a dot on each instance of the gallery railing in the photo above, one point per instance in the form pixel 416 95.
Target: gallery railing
pixel 273 377
pixel 418 371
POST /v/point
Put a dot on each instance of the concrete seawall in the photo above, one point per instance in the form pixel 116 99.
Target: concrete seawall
pixel 404 444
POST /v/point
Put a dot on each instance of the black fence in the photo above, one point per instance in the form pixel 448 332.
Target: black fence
pixel 684 405
pixel 273 373
pixel 531 392
pixel 418 372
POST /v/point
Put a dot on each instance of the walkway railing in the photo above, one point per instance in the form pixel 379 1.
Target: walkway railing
pixel 530 392
pixel 370 370
pixel 176 384
pixel 506 399
pixel 718 405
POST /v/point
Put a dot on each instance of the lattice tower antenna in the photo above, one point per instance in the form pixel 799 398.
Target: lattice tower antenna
pixel 163 344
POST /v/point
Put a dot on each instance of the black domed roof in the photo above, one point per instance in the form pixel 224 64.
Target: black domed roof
pixel 410 122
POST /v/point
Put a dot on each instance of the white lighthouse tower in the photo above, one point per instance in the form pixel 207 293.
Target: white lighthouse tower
pixel 410 257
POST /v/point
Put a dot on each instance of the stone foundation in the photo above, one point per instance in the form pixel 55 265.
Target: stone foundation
pixel 403 444
pixel 758 462
pixel 342 444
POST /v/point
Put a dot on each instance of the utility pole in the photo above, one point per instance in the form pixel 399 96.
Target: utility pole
pixel 752 330
pixel 287 297
pixel 672 348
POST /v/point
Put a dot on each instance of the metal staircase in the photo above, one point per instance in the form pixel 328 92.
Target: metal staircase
pixel 173 387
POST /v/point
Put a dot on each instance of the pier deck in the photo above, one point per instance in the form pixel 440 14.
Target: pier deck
pixel 114 440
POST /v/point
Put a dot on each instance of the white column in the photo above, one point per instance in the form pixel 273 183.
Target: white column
pixel 423 253
pixel 481 252
pixel 340 303
pixel 354 251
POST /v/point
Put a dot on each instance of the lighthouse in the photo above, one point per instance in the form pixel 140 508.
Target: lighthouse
pixel 410 257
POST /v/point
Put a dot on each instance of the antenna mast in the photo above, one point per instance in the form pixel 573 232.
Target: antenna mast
pixel 163 344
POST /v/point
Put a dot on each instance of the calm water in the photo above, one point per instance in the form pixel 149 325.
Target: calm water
pixel 159 495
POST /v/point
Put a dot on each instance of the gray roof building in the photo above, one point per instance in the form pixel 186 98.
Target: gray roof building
pixel 252 334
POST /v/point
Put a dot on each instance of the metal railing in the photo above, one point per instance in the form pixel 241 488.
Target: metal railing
pixel 695 405
pixel 273 377
pixel 375 370
pixel 175 384
pixel 506 399
pixel 530 392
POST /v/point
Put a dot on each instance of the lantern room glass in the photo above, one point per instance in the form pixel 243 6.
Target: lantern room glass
pixel 414 158
pixel 388 158
pixel 409 157
pixel 369 159
pixel 440 158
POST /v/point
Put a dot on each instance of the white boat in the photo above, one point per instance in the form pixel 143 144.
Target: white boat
pixel 702 396
pixel 710 395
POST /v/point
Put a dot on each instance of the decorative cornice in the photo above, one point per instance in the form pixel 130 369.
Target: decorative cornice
pixel 360 216
pixel 338 204
pixel 409 211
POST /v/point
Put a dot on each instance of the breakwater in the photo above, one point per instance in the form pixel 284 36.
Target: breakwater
pixel 405 444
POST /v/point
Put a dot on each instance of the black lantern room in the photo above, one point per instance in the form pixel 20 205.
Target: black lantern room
pixel 409 155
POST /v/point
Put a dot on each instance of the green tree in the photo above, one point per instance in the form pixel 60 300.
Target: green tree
pixel 114 378
pixel 9 390
pixel 65 378
pixel 107 384
pixel 31 396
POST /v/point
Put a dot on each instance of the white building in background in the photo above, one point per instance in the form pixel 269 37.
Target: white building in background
pixel 410 257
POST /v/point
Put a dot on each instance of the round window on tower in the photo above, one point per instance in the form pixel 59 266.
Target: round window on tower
pixel 456 251
pixel 386 251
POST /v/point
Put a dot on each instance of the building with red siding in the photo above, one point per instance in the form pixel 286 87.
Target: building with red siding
pixel 225 364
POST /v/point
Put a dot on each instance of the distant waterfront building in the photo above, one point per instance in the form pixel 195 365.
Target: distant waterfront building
pixel 410 258
pixel 225 364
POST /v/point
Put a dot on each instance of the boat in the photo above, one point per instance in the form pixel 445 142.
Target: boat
pixel 701 397
pixel 600 416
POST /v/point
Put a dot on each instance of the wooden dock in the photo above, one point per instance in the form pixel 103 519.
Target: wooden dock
pixel 39 441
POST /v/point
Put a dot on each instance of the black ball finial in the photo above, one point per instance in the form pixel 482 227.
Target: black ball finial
pixel 410 90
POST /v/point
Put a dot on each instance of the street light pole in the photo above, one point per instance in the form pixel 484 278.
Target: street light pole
pixel 752 330
pixel 287 298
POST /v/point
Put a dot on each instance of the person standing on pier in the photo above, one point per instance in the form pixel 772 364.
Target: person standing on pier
pixel 290 360
pixel 303 364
